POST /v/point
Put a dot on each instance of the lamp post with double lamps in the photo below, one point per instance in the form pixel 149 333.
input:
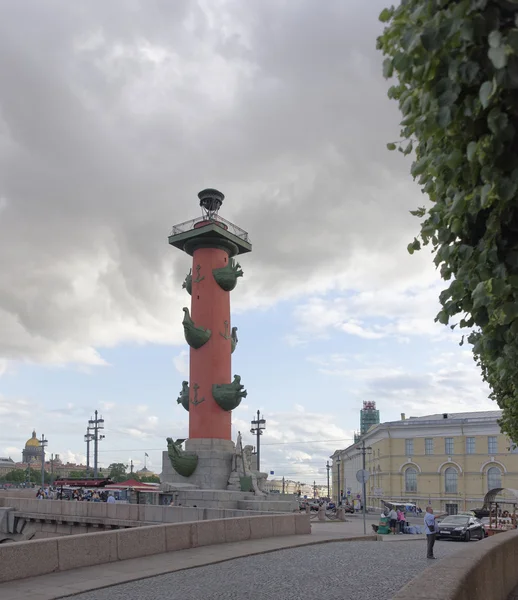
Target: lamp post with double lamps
pixel 258 426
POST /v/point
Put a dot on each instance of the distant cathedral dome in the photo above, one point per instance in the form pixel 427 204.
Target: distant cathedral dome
pixel 33 441
pixel 33 450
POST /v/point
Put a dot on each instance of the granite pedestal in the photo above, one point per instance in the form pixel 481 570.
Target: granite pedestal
pixel 214 464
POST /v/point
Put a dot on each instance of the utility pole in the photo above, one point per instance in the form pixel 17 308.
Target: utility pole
pixel 258 426
pixel 338 463
pixel 314 489
pixel 95 425
pixel 328 467
pixel 88 438
pixel 283 484
pixel 43 443
pixel 364 451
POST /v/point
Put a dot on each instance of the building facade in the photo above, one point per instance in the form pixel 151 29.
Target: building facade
pixel 290 486
pixel 447 460
pixel 7 464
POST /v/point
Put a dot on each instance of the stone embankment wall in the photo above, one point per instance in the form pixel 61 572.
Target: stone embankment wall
pixel 29 559
pixel 482 571
pixel 29 518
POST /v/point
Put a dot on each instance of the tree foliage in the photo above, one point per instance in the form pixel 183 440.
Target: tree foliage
pixel 20 476
pixel 456 63
pixel 117 472
pixel 148 478
pixel 78 475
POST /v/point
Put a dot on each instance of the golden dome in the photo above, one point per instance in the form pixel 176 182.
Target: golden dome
pixel 33 441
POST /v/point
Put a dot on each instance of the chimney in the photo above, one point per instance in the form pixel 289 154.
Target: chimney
pixel 403 416
pixel 444 415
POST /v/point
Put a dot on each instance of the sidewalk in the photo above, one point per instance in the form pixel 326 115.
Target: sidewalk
pixel 67 583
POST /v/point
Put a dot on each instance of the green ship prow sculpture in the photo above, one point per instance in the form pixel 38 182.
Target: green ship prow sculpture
pixel 184 463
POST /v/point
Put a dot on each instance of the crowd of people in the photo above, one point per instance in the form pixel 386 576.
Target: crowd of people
pixel 80 495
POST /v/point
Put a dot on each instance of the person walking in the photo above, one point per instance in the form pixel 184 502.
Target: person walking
pixel 430 528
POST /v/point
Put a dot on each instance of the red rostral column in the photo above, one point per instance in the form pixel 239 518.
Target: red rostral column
pixel 212 242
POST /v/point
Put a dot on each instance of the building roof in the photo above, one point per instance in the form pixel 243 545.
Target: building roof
pixel 484 414
pixel 32 441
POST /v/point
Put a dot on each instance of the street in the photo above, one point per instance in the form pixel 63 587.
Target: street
pixel 334 571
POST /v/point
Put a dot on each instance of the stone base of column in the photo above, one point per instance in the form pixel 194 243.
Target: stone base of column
pixel 214 464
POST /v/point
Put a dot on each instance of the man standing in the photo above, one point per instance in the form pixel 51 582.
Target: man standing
pixel 393 520
pixel 430 528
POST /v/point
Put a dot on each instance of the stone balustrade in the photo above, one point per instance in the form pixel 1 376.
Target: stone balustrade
pixel 486 570
pixel 29 559
pixel 137 513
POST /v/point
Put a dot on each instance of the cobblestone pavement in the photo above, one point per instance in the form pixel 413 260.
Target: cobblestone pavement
pixel 334 571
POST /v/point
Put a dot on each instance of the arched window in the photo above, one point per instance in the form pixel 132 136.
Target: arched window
pixel 450 480
pixel 494 478
pixel 411 480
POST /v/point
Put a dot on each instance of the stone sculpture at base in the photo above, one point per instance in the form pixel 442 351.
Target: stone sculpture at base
pixel 242 473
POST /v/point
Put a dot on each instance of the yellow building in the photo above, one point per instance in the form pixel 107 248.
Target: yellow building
pixel 449 460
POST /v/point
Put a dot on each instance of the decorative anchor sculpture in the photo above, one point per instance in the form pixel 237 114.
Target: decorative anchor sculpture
pixel 184 463
pixel 226 277
pixel 233 339
pixel 183 398
pixel 187 283
pixel 228 396
pixel 194 336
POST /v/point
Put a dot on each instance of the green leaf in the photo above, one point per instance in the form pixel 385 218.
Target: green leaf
pixel 419 167
pixel 498 57
pixel 495 39
pixel 388 68
pixel 485 93
pixel 510 310
pixel 408 149
pixel 420 212
pixel 497 121
pixel 430 39
pixel 442 317
pixel 391 146
pixel 385 15
pixel 413 246
pixel 484 195
pixel 444 116
pixel 470 150
pixel 512 40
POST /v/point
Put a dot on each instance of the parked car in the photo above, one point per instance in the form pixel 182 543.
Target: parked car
pixel 460 527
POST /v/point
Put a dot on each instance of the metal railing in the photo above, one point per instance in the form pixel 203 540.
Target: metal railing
pixel 189 225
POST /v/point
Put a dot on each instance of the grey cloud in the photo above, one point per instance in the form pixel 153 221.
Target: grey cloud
pixel 113 115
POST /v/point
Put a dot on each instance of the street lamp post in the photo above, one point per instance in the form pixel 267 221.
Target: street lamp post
pixel 258 426
pixel 328 467
pixel 88 438
pixel 43 443
pixel 338 463
pixel 364 451
pixel 95 425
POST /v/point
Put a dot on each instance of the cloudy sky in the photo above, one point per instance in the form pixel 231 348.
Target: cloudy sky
pixel 113 115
